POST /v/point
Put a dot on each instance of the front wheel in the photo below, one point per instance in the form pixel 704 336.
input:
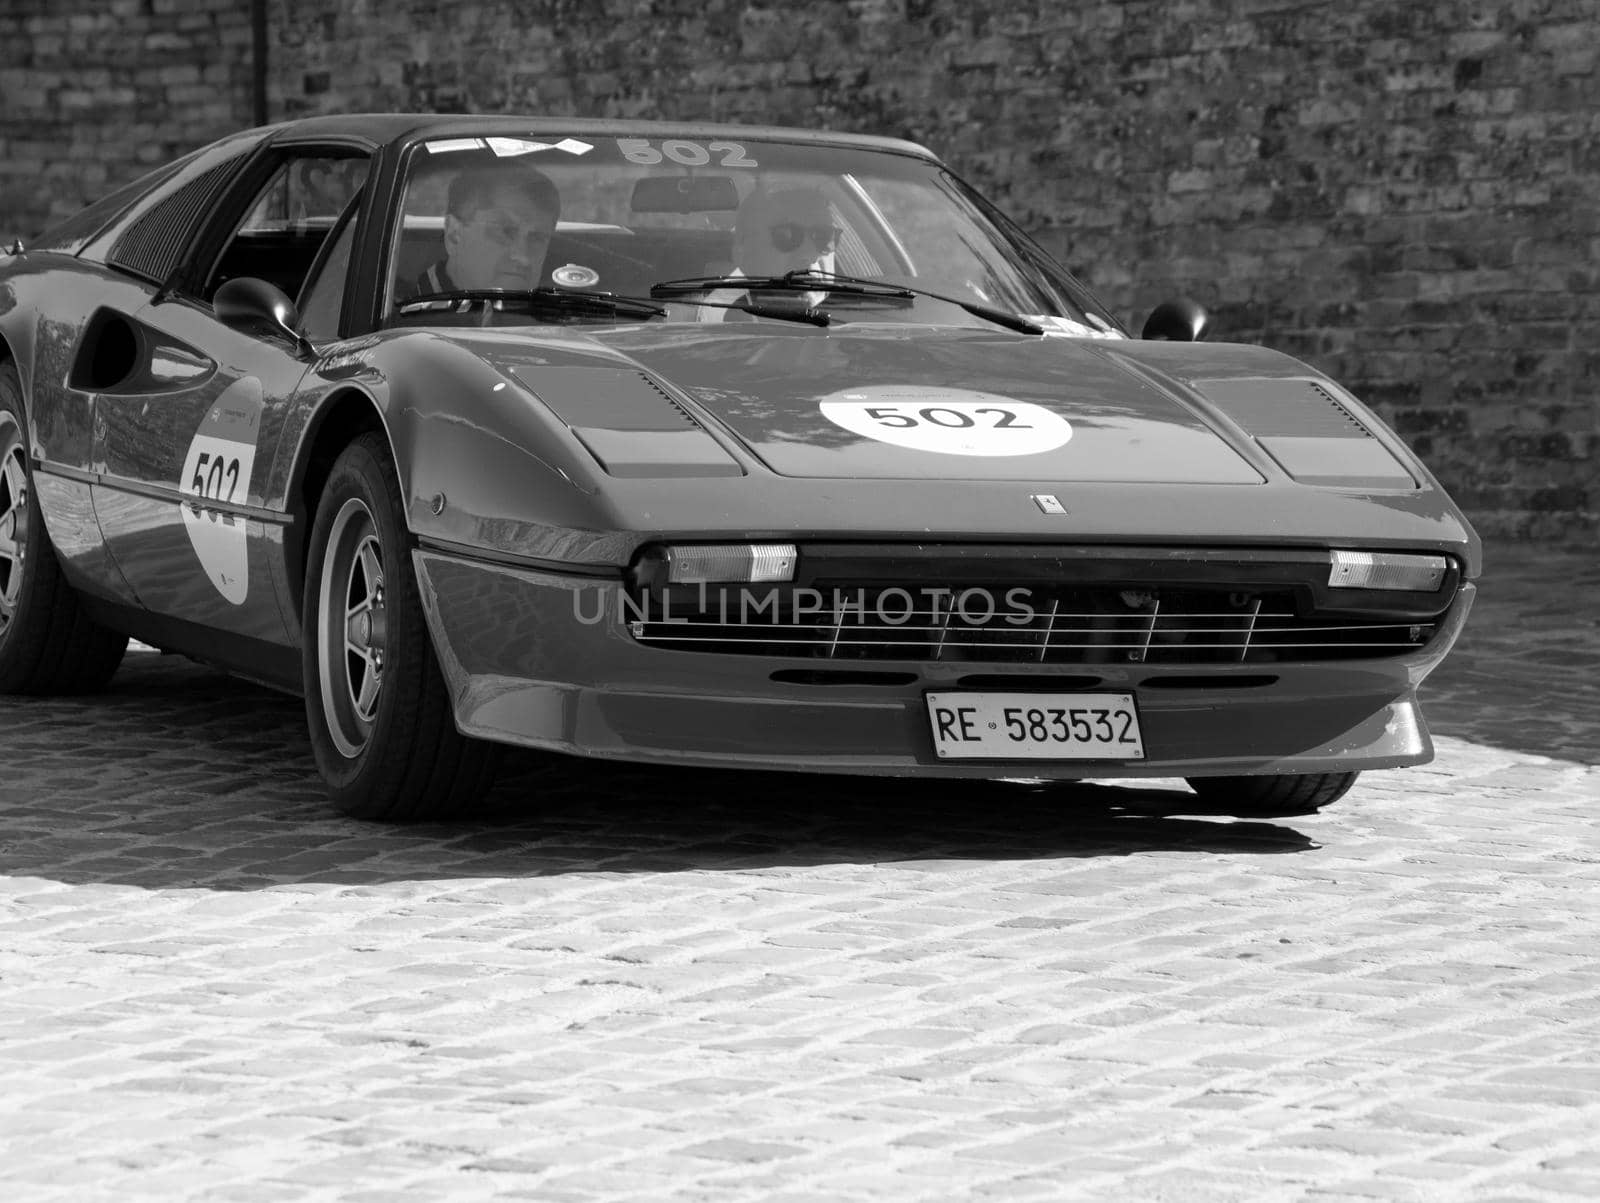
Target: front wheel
pixel 379 715
pixel 1272 795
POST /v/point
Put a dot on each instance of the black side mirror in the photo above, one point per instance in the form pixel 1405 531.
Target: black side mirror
pixel 1181 321
pixel 246 301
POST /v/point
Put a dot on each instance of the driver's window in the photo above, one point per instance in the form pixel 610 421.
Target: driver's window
pixel 288 221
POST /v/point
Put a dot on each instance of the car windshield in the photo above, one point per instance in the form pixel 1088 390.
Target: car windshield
pixel 714 225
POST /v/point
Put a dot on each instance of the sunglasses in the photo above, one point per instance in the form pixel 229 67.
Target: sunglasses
pixel 788 235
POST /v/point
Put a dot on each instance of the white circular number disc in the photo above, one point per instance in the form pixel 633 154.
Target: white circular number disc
pixel 949 421
pixel 221 459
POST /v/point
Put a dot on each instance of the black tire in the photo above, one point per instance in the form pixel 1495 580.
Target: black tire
pixel 47 643
pixel 1272 796
pixel 381 726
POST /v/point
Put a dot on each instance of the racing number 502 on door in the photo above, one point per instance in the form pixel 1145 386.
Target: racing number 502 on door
pixel 216 476
pixel 216 472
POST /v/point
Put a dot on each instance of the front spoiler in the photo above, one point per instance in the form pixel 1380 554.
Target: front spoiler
pixel 530 659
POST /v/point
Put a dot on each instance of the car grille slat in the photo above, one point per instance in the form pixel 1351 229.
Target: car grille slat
pixel 1091 624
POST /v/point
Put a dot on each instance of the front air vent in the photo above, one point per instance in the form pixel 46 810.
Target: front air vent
pixel 834 676
pixel 1290 407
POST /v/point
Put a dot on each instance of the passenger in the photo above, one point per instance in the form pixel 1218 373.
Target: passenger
pixel 776 232
pixel 324 187
pixel 497 227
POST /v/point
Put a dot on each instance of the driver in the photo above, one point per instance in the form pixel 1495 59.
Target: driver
pixel 788 230
pixel 497 227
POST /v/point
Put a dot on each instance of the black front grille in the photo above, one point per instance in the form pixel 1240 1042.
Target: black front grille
pixel 1000 624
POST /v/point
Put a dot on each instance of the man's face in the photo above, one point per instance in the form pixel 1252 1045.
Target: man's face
pixel 793 231
pixel 502 245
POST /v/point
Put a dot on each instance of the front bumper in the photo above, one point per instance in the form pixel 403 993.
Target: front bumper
pixel 542 660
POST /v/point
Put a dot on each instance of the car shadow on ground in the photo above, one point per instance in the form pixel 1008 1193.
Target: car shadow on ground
pixel 178 777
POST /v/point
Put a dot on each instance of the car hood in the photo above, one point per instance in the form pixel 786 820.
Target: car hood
pixel 898 402
pixel 761 429
pixel 910 402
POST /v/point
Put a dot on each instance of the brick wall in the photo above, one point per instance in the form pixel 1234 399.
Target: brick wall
pixel 93 94
pixel 1402 194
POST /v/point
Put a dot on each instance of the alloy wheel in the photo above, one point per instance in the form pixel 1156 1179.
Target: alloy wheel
pixel 352 632
pixel 13 526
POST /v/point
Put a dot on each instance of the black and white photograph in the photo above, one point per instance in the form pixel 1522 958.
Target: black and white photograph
pixel 843 601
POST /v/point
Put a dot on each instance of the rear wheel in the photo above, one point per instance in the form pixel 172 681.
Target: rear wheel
pixel 47 643
pixel 381 725
pixel 1273 795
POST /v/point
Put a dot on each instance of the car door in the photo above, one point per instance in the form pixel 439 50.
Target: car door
pixel 182 471
pixel 87 344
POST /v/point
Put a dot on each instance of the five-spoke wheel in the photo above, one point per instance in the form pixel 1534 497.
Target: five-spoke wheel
pixel 381 725
pixel 351 630
pixel 13 523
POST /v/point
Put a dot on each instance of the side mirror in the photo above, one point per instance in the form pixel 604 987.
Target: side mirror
pixel 1181 321
pixel 246 301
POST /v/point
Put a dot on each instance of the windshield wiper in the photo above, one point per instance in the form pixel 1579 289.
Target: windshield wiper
pixel 832 281
pixel 811 280
pixel 813 317
pixel 609 302
pixel 795 281
pixel 554 298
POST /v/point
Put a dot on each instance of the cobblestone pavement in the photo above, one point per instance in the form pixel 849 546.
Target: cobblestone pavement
pixel 717 987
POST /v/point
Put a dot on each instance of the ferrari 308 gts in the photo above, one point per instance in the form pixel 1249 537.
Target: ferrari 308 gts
pixel 694 445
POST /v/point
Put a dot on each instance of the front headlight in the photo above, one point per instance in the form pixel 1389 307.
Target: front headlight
pixel 1386 570
pixel 731 563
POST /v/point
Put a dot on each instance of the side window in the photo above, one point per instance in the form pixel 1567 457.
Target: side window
pixel 322 300
pixel 287 221
pixel 152 244
pixel 151 235
pixel 306 194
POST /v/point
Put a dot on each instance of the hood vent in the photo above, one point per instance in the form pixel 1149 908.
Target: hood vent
pixel 606 398
pixel 1308 432
pixel 1291 407
pixel 632 426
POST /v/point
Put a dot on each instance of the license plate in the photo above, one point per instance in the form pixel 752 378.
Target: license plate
pixel 1035 726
